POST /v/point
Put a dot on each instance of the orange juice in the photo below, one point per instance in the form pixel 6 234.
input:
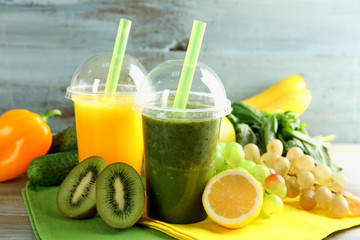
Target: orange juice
pixel 109 128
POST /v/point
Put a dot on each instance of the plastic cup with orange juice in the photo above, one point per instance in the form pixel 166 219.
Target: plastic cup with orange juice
pixel 106 125
pixel 103 90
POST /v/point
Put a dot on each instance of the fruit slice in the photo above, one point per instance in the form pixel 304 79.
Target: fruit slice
pixel 233 198
pixel 120 195
pixel 76 195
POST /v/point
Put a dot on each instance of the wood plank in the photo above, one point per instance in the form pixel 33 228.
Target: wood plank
pixel 251 45
pixel 15 227
pixel 11 202
pixel 14 219
pixel 247 69
pixel 12 205
pixel 13 186
pixel 260 47
pixel 232 25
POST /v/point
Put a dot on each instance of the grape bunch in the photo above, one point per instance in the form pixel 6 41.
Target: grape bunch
pixel 290 176
pixel 316 185
pixel 233 156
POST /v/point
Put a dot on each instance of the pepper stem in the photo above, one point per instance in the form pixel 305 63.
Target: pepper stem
pixel 49 114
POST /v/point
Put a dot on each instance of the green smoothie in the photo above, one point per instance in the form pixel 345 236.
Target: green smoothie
pixel 179 161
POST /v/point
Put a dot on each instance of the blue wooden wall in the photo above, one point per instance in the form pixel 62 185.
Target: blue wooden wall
pixel 250 44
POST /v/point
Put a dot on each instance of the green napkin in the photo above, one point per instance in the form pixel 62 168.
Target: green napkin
pixel 48 223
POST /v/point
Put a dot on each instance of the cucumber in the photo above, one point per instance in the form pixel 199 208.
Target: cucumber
pixel 64 141
pixel 51 169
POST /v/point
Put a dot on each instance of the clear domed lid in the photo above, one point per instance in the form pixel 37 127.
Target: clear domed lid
pixel 207 98
pixel 90 77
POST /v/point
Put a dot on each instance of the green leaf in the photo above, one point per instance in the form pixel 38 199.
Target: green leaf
pixel 247 114
pixel 244 134
pixel 268 131
pixel 287 127
pixel 233 119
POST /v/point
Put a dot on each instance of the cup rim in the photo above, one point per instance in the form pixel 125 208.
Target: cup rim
pixel 190 114
pixel 72 91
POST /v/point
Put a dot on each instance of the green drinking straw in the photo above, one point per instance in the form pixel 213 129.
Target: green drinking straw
pixel 118 56
pixel 191 57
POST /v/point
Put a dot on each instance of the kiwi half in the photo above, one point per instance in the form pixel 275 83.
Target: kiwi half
pixel 76 195
pixel 120 195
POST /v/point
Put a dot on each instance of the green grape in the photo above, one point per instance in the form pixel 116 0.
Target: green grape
pixel 281 166
pixel 303 163
pixel 293 188
pixel 354 204
pixel 275 146
pixel 240 168
pixel 260 172
pixel 274 184
pixel 283 193
pixel 338 182
pixel 306 180
pixel 252 152
pixel 307 199
pixel 223 168
pixel 322 173
pixel 233 154
pixel 220 146
pixel 247 165
pixel 272 205
pixel 268 159
pixel 219 161
pixel 340 207
pixel 323 197
pixel 293 154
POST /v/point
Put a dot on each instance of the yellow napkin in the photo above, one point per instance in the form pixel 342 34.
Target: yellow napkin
pixel 293 223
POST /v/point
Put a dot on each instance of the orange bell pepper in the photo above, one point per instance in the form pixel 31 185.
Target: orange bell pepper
pixel 24 135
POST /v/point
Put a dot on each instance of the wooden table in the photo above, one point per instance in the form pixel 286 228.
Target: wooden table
pixel 15 224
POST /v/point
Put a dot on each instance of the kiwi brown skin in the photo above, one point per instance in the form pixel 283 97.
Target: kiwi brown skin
pixel 85 206
pixel 137 198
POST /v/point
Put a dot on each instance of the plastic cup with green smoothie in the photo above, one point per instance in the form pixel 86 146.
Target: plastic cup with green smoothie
pixel 179 144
